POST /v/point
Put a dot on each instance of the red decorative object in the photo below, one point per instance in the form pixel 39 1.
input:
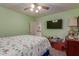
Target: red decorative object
pixel 58 45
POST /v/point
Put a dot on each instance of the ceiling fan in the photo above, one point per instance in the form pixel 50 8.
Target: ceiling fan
pixel 36 7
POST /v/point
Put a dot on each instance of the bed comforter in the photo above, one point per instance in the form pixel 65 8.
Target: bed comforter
pixel 23 45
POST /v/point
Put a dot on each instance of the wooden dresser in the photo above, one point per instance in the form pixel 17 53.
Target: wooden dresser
pixel 72 47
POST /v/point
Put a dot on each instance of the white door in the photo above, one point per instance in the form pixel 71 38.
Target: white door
pixel 32 28
pixel 35 28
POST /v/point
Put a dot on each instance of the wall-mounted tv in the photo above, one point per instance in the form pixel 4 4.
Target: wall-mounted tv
pixel 54 24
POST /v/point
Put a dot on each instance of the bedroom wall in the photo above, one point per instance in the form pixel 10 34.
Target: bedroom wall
pixel 62 15
pixel 13 23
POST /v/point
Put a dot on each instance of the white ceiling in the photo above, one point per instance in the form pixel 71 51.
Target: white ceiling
pixel 54 8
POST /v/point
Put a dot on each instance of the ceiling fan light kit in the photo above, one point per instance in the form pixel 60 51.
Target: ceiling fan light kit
pixel 36 7
pixel 36 11
pixel 39 7
pixel 32 6
pixel 31 9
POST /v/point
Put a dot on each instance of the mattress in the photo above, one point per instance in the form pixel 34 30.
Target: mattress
pixel 23 45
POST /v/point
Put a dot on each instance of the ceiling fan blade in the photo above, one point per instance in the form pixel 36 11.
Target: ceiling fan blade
pixel 45 7
pixel 26 8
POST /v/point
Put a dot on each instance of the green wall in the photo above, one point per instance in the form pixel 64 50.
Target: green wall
pixel 62 15
pixel 13 23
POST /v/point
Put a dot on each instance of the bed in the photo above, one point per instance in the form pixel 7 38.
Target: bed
pixel 24 45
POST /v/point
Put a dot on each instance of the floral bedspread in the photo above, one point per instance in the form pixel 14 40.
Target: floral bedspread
pixel 23 45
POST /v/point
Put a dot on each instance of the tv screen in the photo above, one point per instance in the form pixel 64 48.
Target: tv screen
pixel 54 24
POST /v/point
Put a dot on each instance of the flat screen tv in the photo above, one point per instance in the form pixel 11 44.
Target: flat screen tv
pixel 54 24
